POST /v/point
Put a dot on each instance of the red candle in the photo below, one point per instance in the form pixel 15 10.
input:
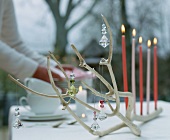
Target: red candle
pixel 125 82
pixel 141 76
pixel 155 73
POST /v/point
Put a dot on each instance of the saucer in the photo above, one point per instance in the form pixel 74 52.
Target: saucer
pixel 30 116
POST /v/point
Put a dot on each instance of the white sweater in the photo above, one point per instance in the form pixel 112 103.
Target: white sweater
pixel 15 57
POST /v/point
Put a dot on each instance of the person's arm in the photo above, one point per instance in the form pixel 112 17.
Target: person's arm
pixel 12 38
pixel 15 63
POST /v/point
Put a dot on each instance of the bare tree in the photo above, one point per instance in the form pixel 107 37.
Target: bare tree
pixel 61 21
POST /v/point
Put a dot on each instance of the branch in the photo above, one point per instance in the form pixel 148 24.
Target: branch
pixel 96 93
pixel 54 6
pixel 53 84
pixel 70 7
pixel 83 64
pixel 35 92
pixel 83 16
pixel 61 68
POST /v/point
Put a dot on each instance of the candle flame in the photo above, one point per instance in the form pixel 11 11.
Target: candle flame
pixel 133 32
pixel 155 41
pixel 140 40
pixel 83 115
pixel 123 29
pixel 80 88
pixel 149 43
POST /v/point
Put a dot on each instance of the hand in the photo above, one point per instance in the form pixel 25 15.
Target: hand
pixel 66 67
pixel 42 74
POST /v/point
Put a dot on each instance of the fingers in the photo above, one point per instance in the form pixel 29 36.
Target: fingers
pixel 42 74
pixel 57 76
pixel 67 67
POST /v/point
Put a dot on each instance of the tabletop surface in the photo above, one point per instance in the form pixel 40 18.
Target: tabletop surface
pixel 155 129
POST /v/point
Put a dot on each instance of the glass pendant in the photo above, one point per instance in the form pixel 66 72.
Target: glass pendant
pixel 102 115
pixel 95 126
pixel 73 90
pixel 104 41
pixel 17 123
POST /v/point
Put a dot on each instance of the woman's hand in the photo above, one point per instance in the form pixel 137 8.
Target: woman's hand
pixel 42 74
pixel 66 67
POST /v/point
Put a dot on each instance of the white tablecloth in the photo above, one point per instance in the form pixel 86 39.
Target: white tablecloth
pixel 158 128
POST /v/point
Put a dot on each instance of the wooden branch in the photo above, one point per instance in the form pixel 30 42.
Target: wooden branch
pixel 61 68
pixel 53 84
pixel 132 126
pixel 83 64
pixel 109 130
pixel 35 92
pixel 90 107
pixel 148 117
pixel 96 93
pixel 79 120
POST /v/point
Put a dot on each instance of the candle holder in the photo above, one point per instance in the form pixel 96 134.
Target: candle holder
pixel 113 94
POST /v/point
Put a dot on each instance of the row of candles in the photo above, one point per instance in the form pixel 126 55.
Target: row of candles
pixel 155 68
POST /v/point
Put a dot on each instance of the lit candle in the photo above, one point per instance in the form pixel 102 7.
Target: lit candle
pixel 81 109
pixel 125 82
pixel 148 75
pixel 155 73
pixel 141 75
pixel 133 69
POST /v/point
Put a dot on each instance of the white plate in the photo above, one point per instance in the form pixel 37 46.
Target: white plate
pixel 29 116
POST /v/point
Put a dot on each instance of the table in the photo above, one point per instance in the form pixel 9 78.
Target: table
pixel 153 130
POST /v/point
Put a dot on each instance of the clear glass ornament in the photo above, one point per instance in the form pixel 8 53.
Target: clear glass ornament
pixel 17 114
pixel 102 115
pixel 104 41
pixel 72 77
pixel 17 109
pixel 95 126
pixel 103 29
pixel 17 123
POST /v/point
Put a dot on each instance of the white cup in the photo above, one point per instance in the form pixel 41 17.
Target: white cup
pixel 39 104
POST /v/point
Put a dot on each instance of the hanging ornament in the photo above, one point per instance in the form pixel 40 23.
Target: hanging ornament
pixel 102 115
pixel 17 114
pixel 104 41
pixel 17 124
pixel 73 90
pixel 95 125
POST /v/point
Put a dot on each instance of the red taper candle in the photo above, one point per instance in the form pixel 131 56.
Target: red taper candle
pixel 155 70
pixel 125 81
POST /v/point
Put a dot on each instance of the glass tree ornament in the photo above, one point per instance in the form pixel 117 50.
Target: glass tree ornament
pixel 102 115
pixel 104 41
pixel 72 90
pixel 95 126
pixel 17 124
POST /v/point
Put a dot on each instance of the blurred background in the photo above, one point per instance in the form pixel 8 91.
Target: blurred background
pixel 52 25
